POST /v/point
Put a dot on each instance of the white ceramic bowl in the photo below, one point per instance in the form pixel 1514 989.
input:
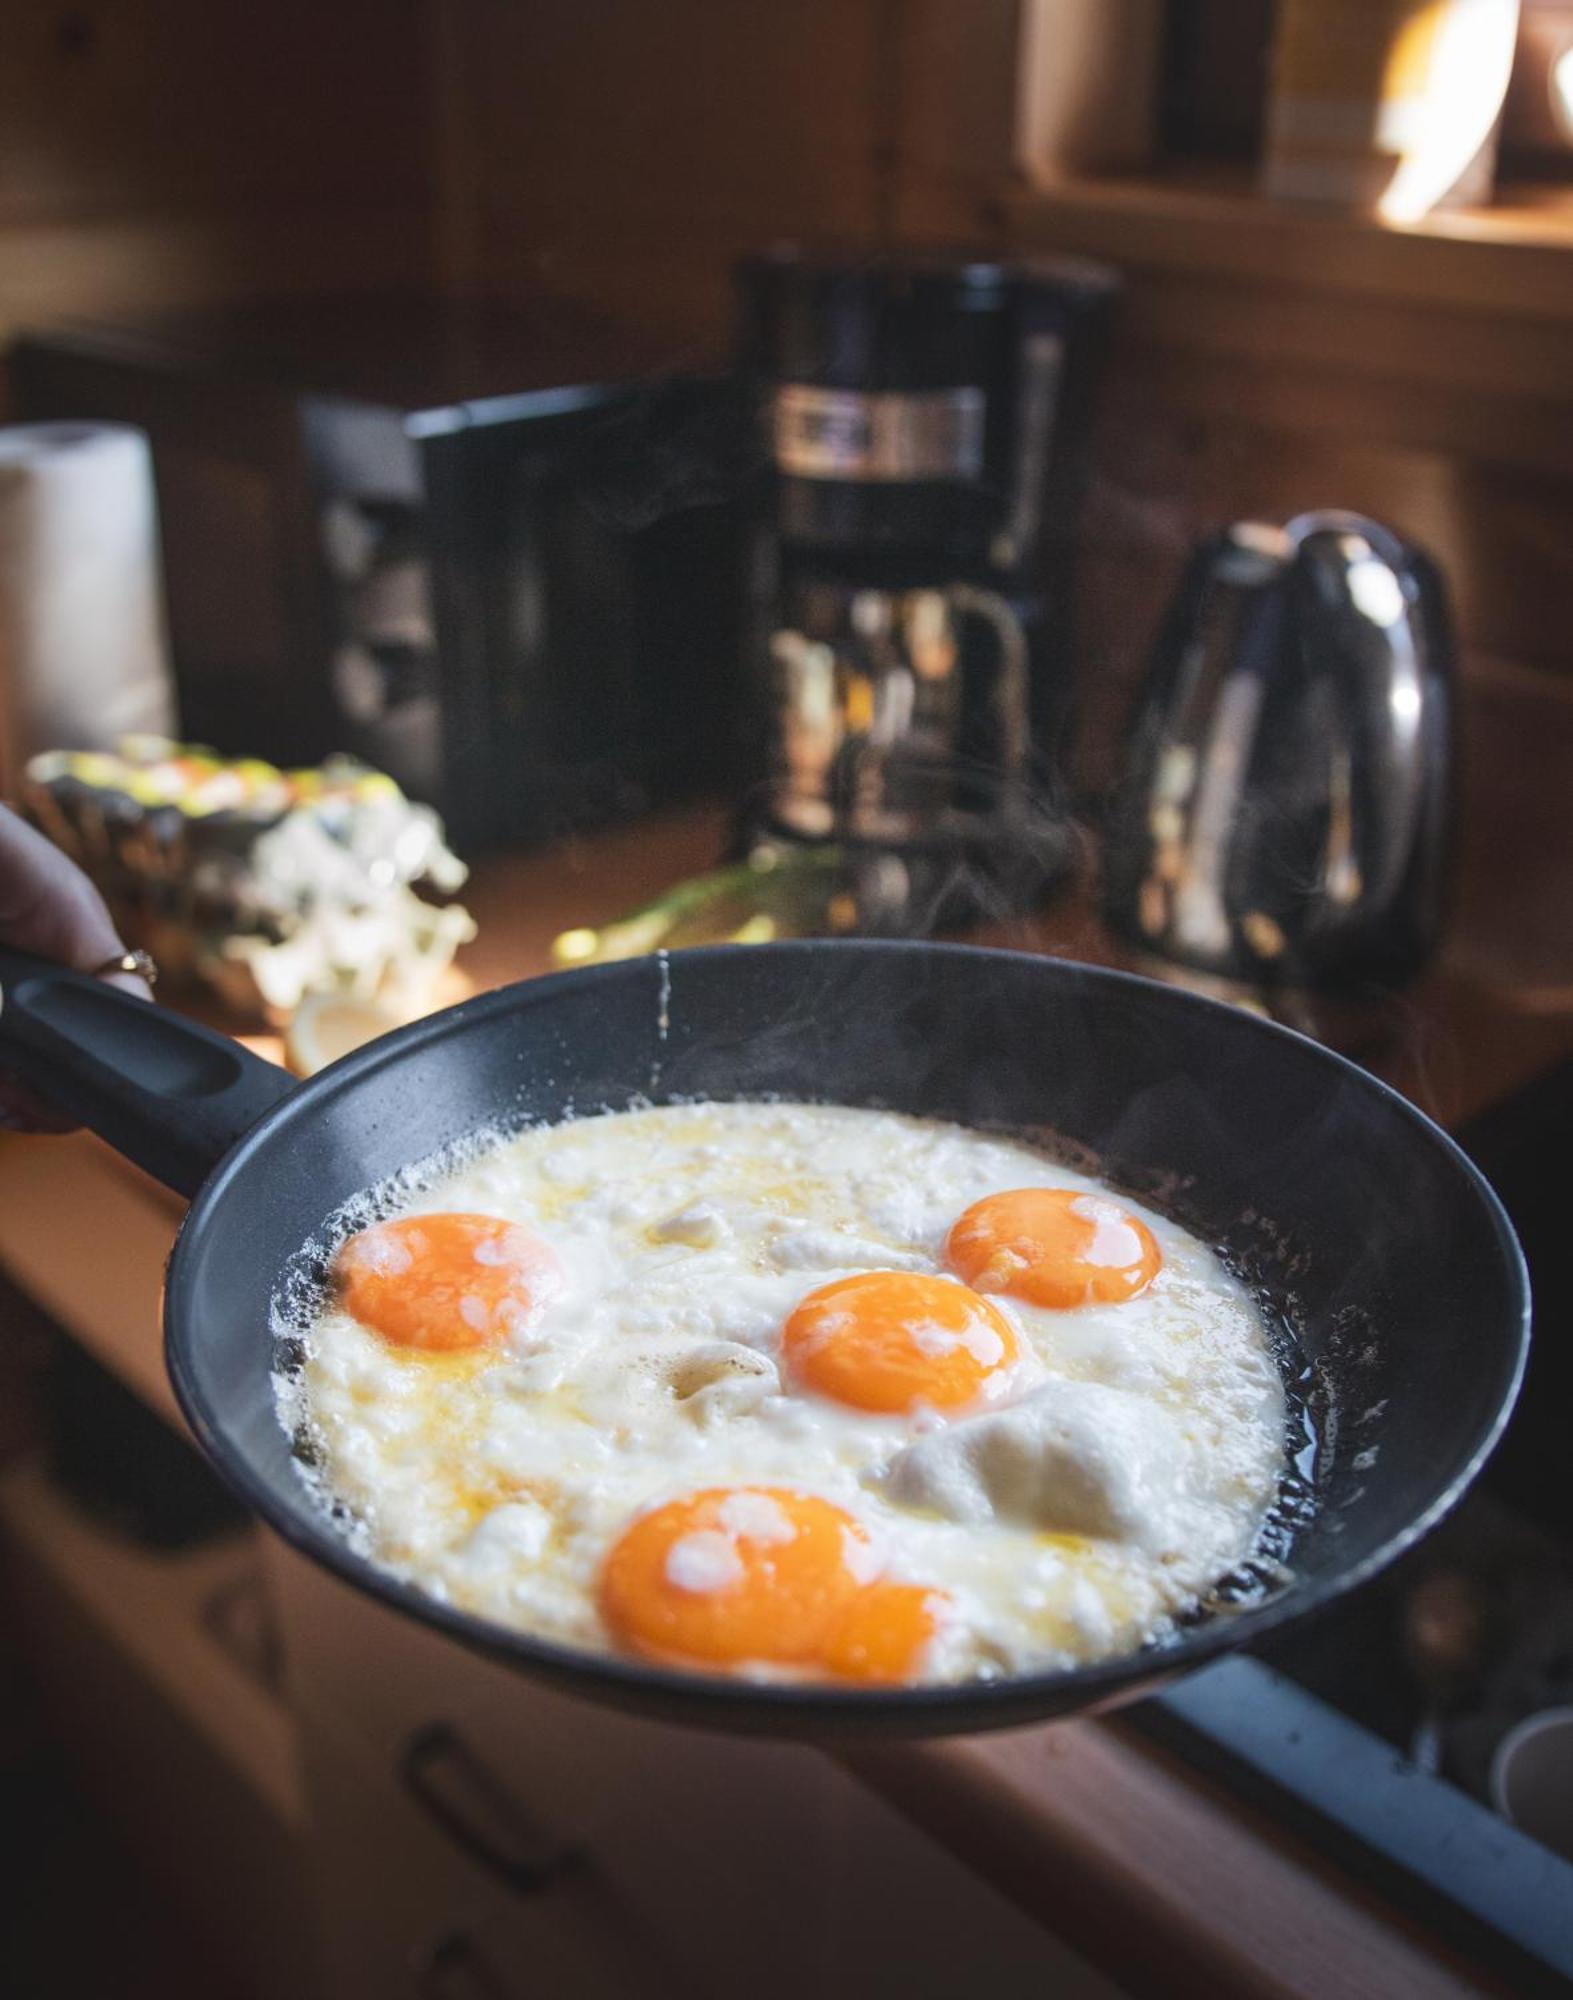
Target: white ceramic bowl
pixel 1532 1778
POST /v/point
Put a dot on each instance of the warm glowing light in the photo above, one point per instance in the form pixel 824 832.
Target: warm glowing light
pixel 1375 591
pixel 1470 50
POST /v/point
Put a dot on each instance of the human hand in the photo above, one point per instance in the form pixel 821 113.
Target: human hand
pixel 50 908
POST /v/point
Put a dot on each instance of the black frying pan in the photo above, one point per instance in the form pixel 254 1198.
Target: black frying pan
pixel 1352 1213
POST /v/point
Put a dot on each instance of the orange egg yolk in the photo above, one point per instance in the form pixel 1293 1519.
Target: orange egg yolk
pixel 881 1634
pixel 890 1340
pixel 1053 1247
pixel 443 1283
pixel 761 1574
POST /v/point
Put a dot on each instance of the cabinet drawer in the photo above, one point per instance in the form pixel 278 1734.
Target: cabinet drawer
pixel 738 1862
pixel 407 1909
pixel 695 1832
pixel 382 1677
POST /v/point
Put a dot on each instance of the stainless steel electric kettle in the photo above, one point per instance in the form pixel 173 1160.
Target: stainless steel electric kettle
pixel 1283 815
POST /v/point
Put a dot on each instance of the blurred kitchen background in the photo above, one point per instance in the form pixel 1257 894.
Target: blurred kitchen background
pixel 1148 382
pixel 285 250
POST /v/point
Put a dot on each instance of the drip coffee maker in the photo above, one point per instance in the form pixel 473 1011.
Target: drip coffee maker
pixel 911 568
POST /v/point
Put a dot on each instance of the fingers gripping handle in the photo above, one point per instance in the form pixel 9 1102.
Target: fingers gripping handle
pixel 171 1096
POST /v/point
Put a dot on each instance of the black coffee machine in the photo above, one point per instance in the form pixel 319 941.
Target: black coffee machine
pixel 911 567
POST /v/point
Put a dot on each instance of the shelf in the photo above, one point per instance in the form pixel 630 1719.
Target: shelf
pixel 1514 257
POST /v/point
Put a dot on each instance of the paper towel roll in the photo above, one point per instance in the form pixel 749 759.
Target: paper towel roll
pixel 83 654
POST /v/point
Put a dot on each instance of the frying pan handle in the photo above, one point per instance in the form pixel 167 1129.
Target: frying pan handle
pixel 170 1095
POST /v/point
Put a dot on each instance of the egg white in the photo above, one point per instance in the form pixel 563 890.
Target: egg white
pixel 687 1234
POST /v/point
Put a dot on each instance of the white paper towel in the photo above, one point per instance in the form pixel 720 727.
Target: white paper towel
pixel 83 655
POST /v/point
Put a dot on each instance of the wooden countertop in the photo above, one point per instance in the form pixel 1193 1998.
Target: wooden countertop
pixel 1474 1029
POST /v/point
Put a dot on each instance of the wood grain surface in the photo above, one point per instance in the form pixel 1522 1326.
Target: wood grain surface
pixel 1168 1886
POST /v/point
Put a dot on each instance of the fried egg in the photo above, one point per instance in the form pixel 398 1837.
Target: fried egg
pixel 792 1391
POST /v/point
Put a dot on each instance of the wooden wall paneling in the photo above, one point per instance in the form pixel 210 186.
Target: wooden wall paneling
pixel 679 292
pixel 629 152
pixel 457 159
pixel 1213 416
pixel 953 71
pixel 616 109
pixel 197 105
pixel 1483 349
pixel 1511 565
pixel 1324 402
pixel 166 152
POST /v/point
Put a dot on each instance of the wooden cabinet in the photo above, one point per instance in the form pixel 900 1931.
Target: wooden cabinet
pixel 467 1825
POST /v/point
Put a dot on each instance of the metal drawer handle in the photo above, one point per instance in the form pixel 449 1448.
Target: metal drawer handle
pixel 455 1970
pixel 478 1812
